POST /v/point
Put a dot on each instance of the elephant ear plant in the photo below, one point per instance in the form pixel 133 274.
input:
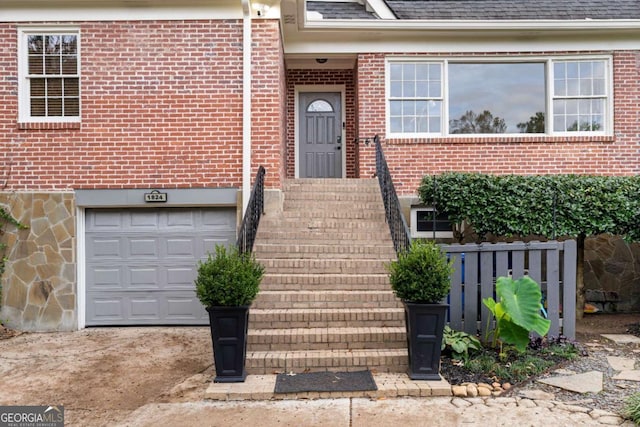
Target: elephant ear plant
pixel 518 313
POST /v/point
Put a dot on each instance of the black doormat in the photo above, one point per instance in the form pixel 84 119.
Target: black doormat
pixel 325 381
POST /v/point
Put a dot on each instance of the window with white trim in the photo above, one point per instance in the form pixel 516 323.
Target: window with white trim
pixel 49 75
pixel 566 96
pixel 427 223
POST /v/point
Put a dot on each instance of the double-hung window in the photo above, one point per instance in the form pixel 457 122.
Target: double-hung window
pixel 512 96
pixel 49 75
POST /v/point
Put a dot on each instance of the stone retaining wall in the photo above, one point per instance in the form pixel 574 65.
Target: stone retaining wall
pixel 612 267
pixel 39 284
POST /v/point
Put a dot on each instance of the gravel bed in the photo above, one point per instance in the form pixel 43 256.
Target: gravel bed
pixel 614 392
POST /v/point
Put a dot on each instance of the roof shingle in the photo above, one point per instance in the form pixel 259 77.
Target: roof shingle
pixel 515 9
pixel 339 10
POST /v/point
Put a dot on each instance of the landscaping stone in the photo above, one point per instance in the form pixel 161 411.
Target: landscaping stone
pixel 622 338
pixel 621 363
pixel 588 382
pixel 628 375
pixel 459 391
pixel 472 390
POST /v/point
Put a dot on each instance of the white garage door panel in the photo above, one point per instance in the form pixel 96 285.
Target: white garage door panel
pixel 141 263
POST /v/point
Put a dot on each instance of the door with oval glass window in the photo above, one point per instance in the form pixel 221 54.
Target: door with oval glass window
pixel 320 135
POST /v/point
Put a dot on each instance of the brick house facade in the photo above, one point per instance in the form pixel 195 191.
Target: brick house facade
pixel 164 105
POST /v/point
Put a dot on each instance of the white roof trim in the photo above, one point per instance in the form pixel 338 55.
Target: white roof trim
pixel 380 8
pixel 473 25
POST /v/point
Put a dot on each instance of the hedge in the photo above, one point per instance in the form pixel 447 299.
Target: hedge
pixel 545 205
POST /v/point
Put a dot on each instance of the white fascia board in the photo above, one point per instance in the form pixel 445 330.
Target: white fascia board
pixel 352 41
pixel 472 25
pixel 380 8
pixel 312 45
pixel 25 14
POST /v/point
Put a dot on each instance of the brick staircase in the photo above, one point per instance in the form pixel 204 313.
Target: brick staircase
pixel 325 301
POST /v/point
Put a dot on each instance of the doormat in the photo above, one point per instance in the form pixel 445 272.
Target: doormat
pixel 325 381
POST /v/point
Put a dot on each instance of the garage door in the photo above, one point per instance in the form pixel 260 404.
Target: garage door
pixel 141 263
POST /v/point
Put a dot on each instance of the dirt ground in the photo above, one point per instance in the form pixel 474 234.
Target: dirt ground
pixel 101 375
pixel 592 325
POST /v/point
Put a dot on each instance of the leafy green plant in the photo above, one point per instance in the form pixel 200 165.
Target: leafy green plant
pixel 514 366
pixel 518 312
pixel 459 343
pixel 421 274
pixel 631 408
pixel 229 278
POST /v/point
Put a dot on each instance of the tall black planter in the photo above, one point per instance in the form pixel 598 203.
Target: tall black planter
pixel 229 336
pixel 425 327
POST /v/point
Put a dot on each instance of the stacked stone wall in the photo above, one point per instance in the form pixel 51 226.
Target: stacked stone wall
pixel 612 273
pixel 39 285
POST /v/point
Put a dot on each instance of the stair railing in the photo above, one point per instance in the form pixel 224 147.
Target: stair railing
pixel 251 220
pixel 393 212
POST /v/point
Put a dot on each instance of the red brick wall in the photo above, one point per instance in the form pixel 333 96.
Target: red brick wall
pixel 161 107
pixel 268 110
pixel 410 159
pixel 322 77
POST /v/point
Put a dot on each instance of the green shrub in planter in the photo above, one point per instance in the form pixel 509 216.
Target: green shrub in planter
pixel 228 278
pixel 421 274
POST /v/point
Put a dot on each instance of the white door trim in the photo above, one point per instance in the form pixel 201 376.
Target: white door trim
pixel 81 296
pixel 319 88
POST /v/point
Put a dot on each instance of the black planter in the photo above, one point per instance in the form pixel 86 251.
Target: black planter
pixel 425 326
pixel 229 336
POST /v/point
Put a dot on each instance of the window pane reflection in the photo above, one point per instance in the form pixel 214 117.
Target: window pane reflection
pixel 496 98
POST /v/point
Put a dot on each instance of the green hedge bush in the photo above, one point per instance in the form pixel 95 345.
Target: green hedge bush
pixel 545 205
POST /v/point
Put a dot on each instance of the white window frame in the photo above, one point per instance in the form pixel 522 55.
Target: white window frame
pixel 549 94
pixel 426 234
pixel 24 104
pixel 608 113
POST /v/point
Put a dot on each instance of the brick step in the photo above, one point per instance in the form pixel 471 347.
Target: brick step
pixel 302 251
pixel 323 318
pixel 324 266
pixel 372 215
pixel 330 185
pixel 326 299
pixel 355 338
pixel 321 205
pixel 325 282
pixel 332 196
pixel 328 224
pixel 319 237
pixel 377 360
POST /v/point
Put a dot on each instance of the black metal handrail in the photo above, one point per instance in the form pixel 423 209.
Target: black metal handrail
pixel 393 213
pixel 251 220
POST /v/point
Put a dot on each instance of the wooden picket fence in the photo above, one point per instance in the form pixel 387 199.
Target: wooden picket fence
pixel 476 266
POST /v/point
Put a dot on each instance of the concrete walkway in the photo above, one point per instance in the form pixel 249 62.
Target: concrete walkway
pixel 398 400
pixel 355 412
